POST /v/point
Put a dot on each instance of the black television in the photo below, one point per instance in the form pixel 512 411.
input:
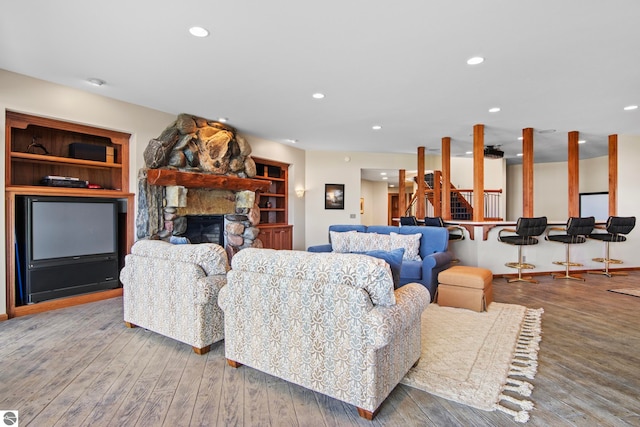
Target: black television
pixel 66 245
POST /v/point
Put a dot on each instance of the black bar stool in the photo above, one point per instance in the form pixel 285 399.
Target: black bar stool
pixel 526 232
pixel 455 232
pixel 574 233
pixel 617 227
pixel 408 220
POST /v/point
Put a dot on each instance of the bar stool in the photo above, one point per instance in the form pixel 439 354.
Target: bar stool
pixel 574 233
pixel 526 232
pixel 617 227
pixel 455 231
pixel 408 220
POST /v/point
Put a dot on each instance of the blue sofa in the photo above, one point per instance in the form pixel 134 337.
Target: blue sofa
pixel 433 251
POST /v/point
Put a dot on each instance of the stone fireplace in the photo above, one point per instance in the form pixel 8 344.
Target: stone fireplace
pixel 199 171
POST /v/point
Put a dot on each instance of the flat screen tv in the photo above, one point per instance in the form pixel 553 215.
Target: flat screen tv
pixel 66 245
pixel 65 227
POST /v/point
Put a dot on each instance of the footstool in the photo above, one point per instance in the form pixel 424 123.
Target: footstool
pixel 465 287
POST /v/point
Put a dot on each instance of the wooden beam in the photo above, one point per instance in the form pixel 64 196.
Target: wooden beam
pixel 527 172
pixel 166 177
pixel 613 175
pixel 478 173
pixel 446 178
pixel 437 194
pixel 573 196
pixel 420 200
pixel 402 198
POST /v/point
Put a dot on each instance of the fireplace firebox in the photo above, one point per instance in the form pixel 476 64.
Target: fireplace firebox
pixel 205 229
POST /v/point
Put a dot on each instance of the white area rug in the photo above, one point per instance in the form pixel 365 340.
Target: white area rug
pixel 473 358
pixel 629 291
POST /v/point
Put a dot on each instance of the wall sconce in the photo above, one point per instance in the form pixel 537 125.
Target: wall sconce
pixel 300 192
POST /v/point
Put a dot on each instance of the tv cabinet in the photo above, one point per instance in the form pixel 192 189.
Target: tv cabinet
pixel 36 147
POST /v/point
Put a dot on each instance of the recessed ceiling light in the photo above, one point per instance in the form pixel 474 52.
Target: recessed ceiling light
pixel 519 154
pixel 385 177
pixel 383 173
pixel 223 119
pixel 376 127
pixel 520 138
pixel 475 60
pixel 582 141
pixel 391 185
pixel 630 107
pixel 318 95
pixel 198 32
pixel 469 152
pixel 96 82
pixel 494 109
pixel 293 141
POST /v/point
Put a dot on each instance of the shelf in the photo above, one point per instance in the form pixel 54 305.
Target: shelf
pixel 271 195
pixel 45 190
pixel 55 160
pixel 269 178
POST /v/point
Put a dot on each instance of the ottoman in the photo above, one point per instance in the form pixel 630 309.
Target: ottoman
pixel 465 287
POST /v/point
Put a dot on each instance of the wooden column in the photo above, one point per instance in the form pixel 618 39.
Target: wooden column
pixel 446 178
pixel 437 193
pixel 402 199
pixel 574 174
pixel 478 173
pixel 613 175
pixel 527 172
pixel 420 199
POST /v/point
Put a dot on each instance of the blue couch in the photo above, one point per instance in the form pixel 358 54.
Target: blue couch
pixel 433 251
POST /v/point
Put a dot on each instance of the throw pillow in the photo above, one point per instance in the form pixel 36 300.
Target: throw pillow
pixel 340 240
pixel 393 258
pixel 361 242
pixel 410 243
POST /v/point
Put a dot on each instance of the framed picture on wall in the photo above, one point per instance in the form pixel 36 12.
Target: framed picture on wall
pixel 334 196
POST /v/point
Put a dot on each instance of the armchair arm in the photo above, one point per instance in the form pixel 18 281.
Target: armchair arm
pixel 383 323
pixel 320 248
pixel 206 289
pixel 506 230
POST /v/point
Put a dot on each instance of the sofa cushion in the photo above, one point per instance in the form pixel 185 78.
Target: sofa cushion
pixel 393 258
pixel 410 243
pixel 341 240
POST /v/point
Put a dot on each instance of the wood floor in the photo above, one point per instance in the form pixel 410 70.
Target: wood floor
pixel 81 366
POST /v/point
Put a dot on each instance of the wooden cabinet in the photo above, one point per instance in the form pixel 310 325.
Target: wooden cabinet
pixel 275 231
pixel 37 147
pixel 276 236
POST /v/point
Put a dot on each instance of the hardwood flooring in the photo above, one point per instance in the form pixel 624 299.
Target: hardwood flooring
pixel 81 366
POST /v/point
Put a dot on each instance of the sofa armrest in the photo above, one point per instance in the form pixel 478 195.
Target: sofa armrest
pixel 384 323
pixel 206 289
pixel 320 248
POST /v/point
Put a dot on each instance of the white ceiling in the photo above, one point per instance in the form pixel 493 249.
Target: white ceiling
pixel 550 65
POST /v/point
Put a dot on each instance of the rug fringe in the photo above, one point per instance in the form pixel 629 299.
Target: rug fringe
pixel 524 364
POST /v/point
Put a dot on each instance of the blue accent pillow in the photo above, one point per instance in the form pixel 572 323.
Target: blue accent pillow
pixel 393 258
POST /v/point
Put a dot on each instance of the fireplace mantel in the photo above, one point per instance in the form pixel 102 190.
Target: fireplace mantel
pixel 169 177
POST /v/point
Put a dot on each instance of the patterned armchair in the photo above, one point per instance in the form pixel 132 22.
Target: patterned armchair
pixel 173 290
pixel 329 322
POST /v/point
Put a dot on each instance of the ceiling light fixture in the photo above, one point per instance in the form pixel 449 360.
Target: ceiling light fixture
pixel 630 107
pixel 582 141
pixel 475 60
pixel 96 82
pixel 198 32
pixel 376 127
pixel 519 154
pixel 469 152
pixel 223 119
pixel 494 109
pixel 318 95
pixel 293 141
